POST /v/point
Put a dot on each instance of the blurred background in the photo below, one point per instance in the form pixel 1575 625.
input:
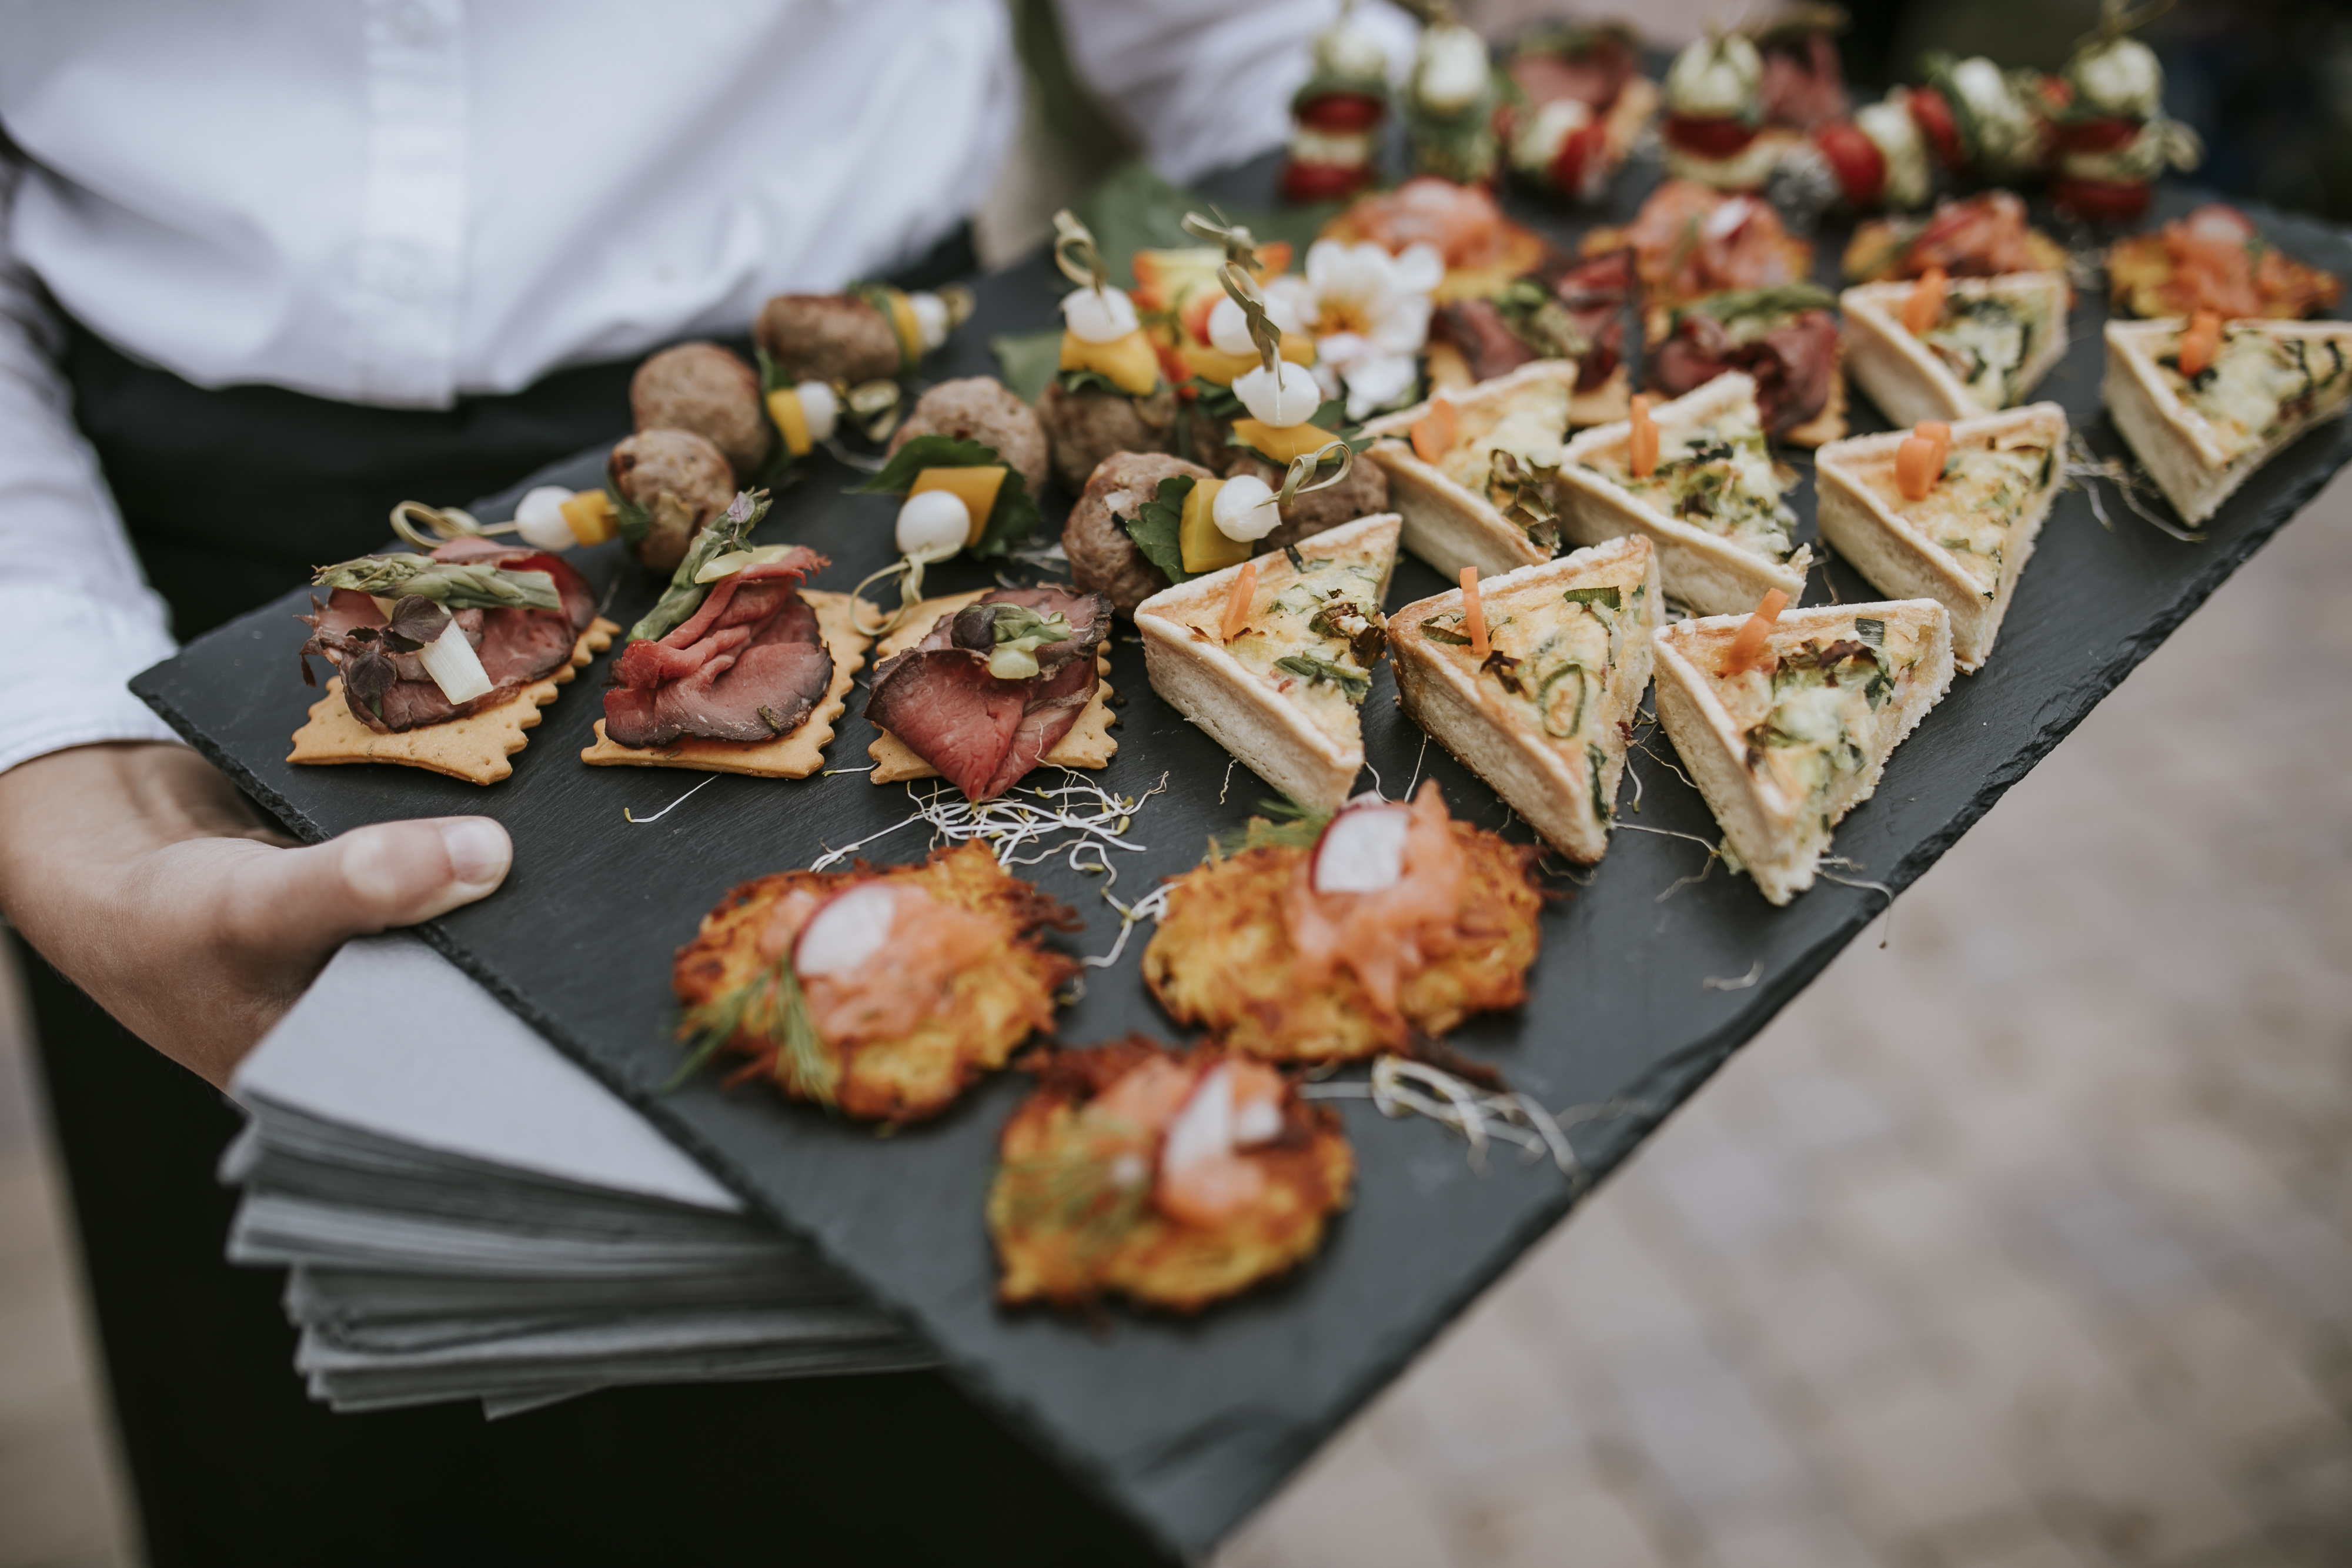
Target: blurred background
pixel 2023 1240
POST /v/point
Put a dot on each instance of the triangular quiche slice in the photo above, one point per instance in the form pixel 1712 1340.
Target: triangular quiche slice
pixel 2200 435
pixel 1283 694
pixel 1967 540
pixel 1544 716
pixel 1993 342
pixel 1459 503
pixel 1713 507
pixel 1786 747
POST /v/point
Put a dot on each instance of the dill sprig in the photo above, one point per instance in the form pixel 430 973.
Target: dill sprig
pixel 772 1008
pixel 1285 824
pixel 1078 1193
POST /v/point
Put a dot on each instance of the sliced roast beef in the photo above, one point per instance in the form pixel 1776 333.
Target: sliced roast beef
pixel 1792 363
pixel 1596 293
pixel 984 733
pixel 749 664
pixel 1478 330
pixel 388 690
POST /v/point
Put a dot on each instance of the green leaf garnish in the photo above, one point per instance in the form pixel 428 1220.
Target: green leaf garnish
pixel 730 530
pixel 1355 686
pixel 1285 824
pixel 1014 517
pixel 1733 305
pixel 1020 631
pixel 1027 362
pixel 1158 525
pixel 1082 380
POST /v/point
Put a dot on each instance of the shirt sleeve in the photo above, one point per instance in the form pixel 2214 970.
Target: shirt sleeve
pixel 77 618
pixel 1206 83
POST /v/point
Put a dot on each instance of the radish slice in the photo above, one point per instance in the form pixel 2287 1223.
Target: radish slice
pixel 1361 850
pixel 846 931
pixel 454 666
pixel 1203 1129
pixel 1217 1121
pixel 540 519
pixel 1256 1122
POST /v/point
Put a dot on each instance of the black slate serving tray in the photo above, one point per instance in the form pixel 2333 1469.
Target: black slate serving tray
pixel 1185 1426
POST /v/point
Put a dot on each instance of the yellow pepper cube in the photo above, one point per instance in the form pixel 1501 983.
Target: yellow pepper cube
pixel 1282 443
pixel 1129 363
pixel 1203 544
pixel 1218 368
pixel 591 517
pixel 975 487
pixel 791 420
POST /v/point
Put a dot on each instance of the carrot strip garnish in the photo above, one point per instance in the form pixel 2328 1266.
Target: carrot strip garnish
pixel 1243 597
pixel 1937 431
pixel 1925 306
pixel 2200 342
pixel 1433 433
pixel 1915 467
pixel 1474 615
pixel 1642 440
pixel 1748 648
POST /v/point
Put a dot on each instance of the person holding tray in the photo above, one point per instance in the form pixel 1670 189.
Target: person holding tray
pixel 258 283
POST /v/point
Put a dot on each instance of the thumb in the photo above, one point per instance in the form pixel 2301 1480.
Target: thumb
pixel 369 879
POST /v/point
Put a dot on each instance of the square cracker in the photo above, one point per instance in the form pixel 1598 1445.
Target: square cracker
pixel 1087 744
pixel 794 755
pixel 474 749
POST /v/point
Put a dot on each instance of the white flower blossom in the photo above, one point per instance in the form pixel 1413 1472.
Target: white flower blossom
pixel 1368 312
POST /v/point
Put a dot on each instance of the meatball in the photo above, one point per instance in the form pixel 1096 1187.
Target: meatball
pixel 681 481
pixel 1364 492
pixel 982 409
pixel 1203 438
pixel 703 388
pixel 1103 559
pixel 1086 427
pixel 827 338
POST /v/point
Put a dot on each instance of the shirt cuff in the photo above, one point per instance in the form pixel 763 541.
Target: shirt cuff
pixel 70 659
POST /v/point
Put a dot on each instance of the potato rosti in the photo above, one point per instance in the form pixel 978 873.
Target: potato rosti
pixel 881 992
pixel 1172 1178
pixel 1413 922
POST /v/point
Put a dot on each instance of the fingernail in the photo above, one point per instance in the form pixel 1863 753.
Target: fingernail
pixel 478 850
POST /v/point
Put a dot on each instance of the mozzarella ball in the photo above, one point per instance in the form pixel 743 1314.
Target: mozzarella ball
pixel 1452 70
pixel 1286 395
pixel 931 318
pixel 2122 76
pixel 540 519
pixel 820 410
pixel 933 526
pixel 1244 510
pixel 1099 315
pixel 1229 327
pixel 1229 330
pixel 1713 76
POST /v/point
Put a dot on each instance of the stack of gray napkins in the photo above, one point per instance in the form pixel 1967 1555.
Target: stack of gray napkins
pixel 465 1213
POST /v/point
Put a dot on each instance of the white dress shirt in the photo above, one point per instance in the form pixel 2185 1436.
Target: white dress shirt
pixel 398 202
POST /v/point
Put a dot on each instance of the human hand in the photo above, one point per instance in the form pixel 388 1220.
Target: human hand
pixel 142 873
